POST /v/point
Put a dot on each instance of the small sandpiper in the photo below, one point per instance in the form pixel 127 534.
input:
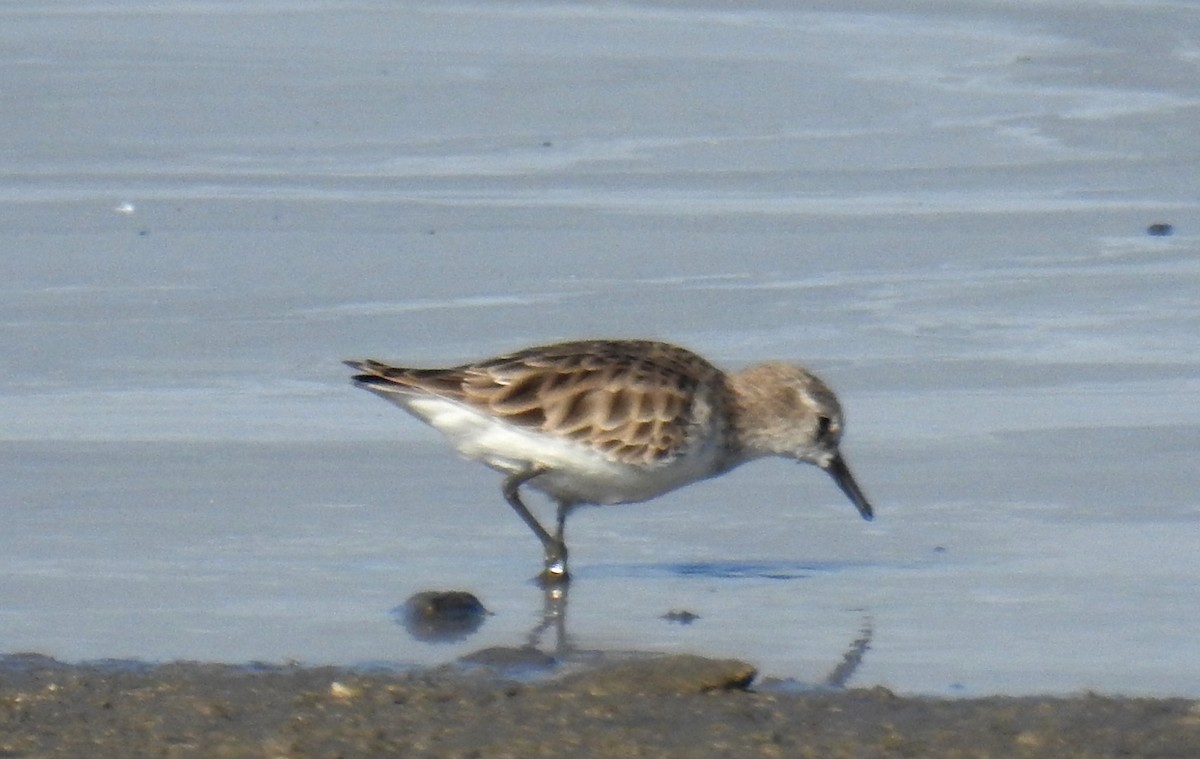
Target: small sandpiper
pixel 617 421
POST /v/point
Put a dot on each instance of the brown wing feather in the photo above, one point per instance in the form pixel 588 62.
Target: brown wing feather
pixel 631 400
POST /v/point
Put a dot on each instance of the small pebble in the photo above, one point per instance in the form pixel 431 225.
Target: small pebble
pixel 681 616
pixel 343 692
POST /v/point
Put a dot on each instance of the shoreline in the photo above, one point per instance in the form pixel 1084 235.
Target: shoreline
pixel 662 706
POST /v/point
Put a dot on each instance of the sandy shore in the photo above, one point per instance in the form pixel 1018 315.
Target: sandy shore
pixel 674 706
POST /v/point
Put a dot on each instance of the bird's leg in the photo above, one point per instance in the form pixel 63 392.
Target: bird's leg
pixel 563 508
pixel 554 550
pixel 556 559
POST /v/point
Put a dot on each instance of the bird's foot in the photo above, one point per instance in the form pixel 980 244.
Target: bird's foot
pixel 555 573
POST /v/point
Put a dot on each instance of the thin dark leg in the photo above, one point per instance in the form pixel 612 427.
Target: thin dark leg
pixel 556 565
pixel 563 509
pixel 554 550
pixel 510 487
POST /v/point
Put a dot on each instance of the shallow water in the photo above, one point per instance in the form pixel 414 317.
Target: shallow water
pixel 940 209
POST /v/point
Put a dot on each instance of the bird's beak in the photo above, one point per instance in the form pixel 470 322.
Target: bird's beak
pixel 840 473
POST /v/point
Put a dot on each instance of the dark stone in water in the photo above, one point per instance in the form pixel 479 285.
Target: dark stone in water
pixel 681 616
pixel 441 616
pixel 1160 229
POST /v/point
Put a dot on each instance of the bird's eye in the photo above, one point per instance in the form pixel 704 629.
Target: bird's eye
pixel 823 424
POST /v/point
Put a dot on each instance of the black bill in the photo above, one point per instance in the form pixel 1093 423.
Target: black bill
pixel 841 475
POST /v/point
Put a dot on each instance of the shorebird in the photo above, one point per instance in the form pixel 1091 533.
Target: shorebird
pixel 617 421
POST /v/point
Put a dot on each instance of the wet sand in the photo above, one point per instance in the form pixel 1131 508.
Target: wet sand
pixel 670 706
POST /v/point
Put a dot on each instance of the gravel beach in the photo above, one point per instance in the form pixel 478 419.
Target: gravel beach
pixel 671 706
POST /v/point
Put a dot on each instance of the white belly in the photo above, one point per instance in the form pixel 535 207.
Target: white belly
pixel 575 472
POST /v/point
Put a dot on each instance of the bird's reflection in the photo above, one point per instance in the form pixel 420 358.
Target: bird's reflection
pixel 442 617
pixel 554 617
pixel 853 657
